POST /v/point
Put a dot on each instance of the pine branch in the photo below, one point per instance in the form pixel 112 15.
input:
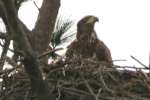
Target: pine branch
pixel 62 26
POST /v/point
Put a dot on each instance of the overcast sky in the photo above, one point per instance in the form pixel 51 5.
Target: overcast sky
pixel 124 24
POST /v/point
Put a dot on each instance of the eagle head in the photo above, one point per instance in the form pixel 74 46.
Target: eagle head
pixel 85 27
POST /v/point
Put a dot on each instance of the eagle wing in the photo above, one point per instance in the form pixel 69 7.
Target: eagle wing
pixel 102 52
pixel 71 49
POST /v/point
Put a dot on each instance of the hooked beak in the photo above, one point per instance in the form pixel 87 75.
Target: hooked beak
pixel 92 20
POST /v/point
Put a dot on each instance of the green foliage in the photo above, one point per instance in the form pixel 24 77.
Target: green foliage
pixel 53 55
pixel 62 26
pixel 63 30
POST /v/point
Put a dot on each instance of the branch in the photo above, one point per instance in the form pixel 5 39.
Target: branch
pixel 130 67
pixel 46 15
pixel 3 35
pixel 104 86
pixel 88 86
pixel 45 24
pixel 39 86
pixel 36 5
pixel 116 60
pixel 48 52
pixel 139 62
pixel 4 53
pixel 74 91
pixel 3 14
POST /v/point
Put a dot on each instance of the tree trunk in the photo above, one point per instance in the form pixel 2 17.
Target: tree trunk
pixel 41 34
pixel 32 43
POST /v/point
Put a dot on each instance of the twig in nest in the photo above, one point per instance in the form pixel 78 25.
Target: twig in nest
pixel 64 71
pixel 139 62
pixel 146 79
pixel 98 94
pixel 103 83
pixel 132 67
pixel 113 78
pixel 6 71
pixel 133 96
pixel 145 75
pixel 26 95
pixel 59 94
pixel 88 86
pixel 74 91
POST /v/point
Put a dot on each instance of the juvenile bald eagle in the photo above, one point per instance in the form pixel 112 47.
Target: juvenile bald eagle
pixel 87 44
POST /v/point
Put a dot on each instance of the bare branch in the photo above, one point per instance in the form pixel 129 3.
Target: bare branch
pixel 4 53
pixel 116 60
pixel 3 35
pixel 11 62
pixel 75 91
pixel 139 62
pixel 36 5
pixel 104 86
pixel 11 50
pixel 89 87
pixel 48 52
pixel 98 94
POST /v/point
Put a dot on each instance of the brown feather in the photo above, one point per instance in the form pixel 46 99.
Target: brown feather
pixel 87 45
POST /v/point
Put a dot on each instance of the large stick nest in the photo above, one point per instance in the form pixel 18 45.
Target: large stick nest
pixel 88 80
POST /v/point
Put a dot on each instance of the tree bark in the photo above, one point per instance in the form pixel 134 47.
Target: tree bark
pixel 33 43
pixel 41 34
